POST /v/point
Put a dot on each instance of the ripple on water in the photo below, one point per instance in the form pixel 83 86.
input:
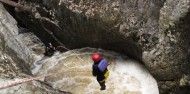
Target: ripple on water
pixel 126 76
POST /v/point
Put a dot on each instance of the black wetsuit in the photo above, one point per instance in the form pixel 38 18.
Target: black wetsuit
pixel 99 75
pixel 49 51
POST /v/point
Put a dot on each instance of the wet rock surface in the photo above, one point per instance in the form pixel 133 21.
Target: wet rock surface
pixel 34 87
pixel 79 24
pixel 16 58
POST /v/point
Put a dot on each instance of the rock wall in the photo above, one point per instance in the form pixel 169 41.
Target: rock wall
pixel 155 31
pixel 79 24
pixel 9 33
pixel 15 60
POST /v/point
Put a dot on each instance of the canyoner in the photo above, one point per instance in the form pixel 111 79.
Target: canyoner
pixel 100 70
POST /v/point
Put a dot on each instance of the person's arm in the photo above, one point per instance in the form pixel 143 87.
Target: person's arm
pixel 54 48
pixel 94 70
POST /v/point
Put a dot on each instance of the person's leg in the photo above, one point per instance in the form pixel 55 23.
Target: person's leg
pixel 102 84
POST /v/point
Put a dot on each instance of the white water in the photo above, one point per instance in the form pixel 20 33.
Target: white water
pixel 126 76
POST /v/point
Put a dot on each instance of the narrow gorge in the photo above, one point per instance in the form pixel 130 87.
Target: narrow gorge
pixel 144 40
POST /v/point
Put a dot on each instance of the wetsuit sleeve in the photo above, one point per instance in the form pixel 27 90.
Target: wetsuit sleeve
pixel 94 70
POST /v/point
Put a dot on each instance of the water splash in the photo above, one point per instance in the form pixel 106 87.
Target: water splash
pixel 126 76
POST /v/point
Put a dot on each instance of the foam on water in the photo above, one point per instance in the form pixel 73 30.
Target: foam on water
pixel 126 76
pixel 131 67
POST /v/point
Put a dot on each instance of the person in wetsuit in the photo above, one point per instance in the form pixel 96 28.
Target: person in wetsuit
pixel 99 69
pixel 49 50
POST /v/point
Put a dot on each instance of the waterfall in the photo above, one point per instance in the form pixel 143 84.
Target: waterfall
pixel 72 73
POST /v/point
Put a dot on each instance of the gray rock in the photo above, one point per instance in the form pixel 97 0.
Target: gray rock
pixel 153 31
pixel 15 60
pixel 9 32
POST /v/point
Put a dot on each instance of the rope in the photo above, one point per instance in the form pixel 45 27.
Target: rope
pixel 72 52
pixel 31 79
pixel 14 4
pixel 37 78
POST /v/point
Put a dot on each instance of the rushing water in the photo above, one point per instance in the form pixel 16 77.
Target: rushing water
pixel 72 72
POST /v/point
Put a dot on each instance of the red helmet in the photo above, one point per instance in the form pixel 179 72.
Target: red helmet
pixel 96 57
